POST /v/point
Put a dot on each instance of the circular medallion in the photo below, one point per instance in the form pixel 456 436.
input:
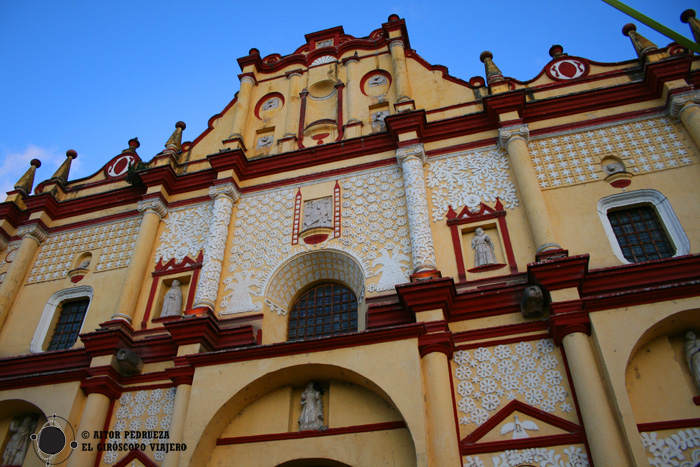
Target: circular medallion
pixel 120 165
pixel 567 68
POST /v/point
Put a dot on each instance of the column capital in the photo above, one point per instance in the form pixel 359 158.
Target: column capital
pixel 396 42
pixel 180 374
pixel 225 189
pixel 678 103
pixel 510 133
pixel 155 205
pixel 34 231
pixel 561 325
pixel 293 73
pixel 413 151
pixel 440 342
pixel 247 78
pixel 3 241
pixel 102 384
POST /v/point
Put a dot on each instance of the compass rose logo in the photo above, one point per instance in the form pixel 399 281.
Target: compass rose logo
pixel 52 440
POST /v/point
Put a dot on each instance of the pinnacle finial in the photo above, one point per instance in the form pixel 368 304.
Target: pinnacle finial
pixel 688 16
pixel 493 74
pixel 133 146
pixel 26 182
pixel 61 174
pixel 175 142
pixel 556 51
pixel 641 44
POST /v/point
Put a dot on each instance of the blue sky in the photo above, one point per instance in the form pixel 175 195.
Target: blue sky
pixel 90 75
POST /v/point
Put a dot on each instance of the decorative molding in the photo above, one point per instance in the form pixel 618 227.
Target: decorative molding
pixel 561 325
pixel 33 231
pixel 185 233
pixel 508 134
pixel 673 449
pixel 663 208
pixel 413 151
pixel 247 79
pixel 396 42
pixel 155 205
pixel 225 189
pixel 575 456
pixel 323 60
pixel 438 342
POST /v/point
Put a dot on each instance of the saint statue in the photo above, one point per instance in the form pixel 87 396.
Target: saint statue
pixel 172 302
pixel 692 356
pixel 311 417
pixel 483 249
pixel 16 448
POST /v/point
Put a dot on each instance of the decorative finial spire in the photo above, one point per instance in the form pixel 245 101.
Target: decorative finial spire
pixel 133 146
pixel 556 51
pixel 174 143
pixel 641 44
pixel 493 74
pixel 26 182
pixel 688 16
pixel 61 174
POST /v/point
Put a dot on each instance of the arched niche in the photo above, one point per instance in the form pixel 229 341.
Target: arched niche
pixel 308 268
pixel 17 409
pixel 251 414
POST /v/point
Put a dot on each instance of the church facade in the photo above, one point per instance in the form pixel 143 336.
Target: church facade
pixel 365 261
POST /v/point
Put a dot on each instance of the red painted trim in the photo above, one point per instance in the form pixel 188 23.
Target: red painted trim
pixel 548 68
pixel 297 218
pixel 438 342
pixel 499 331
pixel 315 239
pixel 696 400
pixel 669 425
pixel 337 211
pixel 527 443
pixel 105 430
pixel 384 426
pixel 457 246
pixel 510 340
pixel 135 455
pixel 339 118
pixel 302 118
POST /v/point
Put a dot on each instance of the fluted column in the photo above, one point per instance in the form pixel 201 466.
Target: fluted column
pixel 412 159
pixel 153 211
pixel 604 439
pixel 242 109
pixel 208 287
pixel 514 140
pixel 442 437
pixel 398 60
pixel 32 236
pixel 686 108
pixel 291 118
pixel 183 380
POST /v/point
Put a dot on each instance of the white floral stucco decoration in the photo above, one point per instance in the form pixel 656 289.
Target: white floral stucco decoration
pixel 184 234
pixel 543 457
pixel 671 451
pixel 455 180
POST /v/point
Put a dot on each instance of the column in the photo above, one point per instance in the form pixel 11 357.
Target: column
pixel 291 118
pixel 604 439
pixel 153 211
pixel 398 60
pixel 100 393
pixel 32 236
pixel 240 116
pixel 182 377
pixel 442 436
pixel 686 108
pixel 208 287
pixel 412 159
pixel 351 90
pixel 514 140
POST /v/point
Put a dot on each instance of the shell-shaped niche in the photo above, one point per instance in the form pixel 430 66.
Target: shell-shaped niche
pixel 321 119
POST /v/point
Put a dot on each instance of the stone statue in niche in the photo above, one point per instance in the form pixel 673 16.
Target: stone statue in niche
pixel 271 103
pixel 378 120
pixel 21 429
pixel 692 356
pixel 318 213
pixel 172 302
pixel 377 80
pixel 483 249
pixel 311 417
pixel 84 263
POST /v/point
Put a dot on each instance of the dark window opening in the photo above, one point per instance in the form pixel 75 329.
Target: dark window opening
pixel 70 321
pixel 640 234
pixel 322 311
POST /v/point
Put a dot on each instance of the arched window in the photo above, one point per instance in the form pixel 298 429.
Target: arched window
pixel 62 319
pixel 322 311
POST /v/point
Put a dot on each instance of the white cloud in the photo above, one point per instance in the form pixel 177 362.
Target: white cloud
pixel 14 164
